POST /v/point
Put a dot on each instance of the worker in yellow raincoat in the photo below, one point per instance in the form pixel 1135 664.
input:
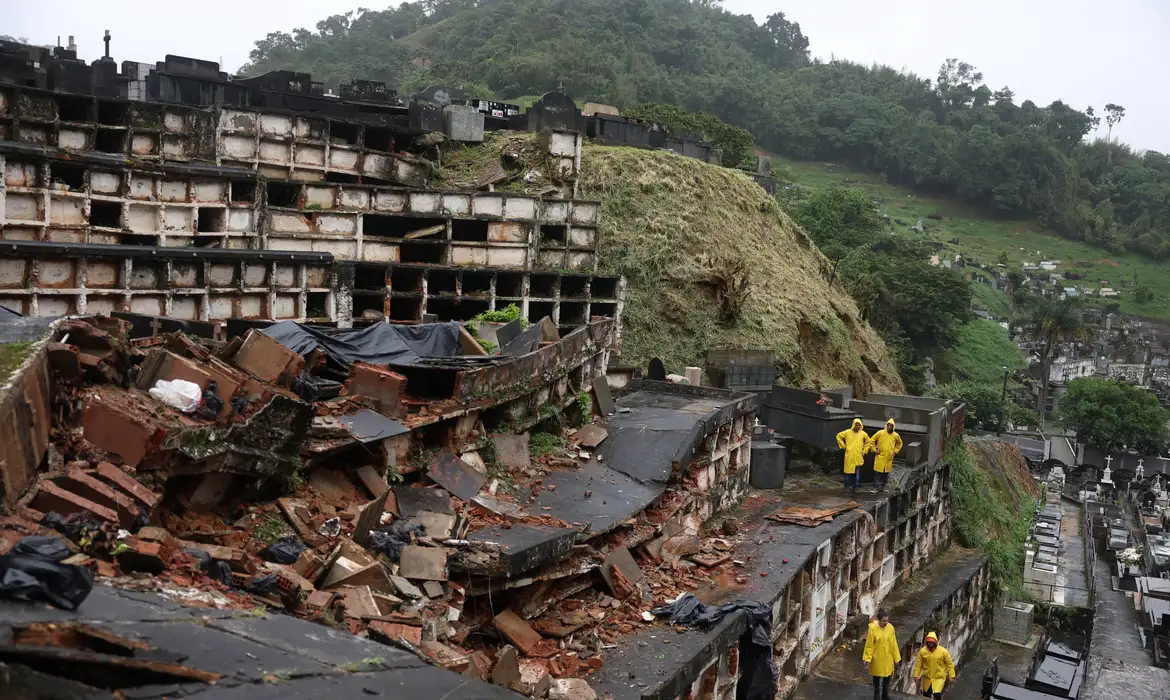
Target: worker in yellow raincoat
pixel 885 443
pixel 933 667
pixel 855 443
pixel 881 653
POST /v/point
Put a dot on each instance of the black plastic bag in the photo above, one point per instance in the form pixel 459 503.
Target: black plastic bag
pixel 217 569
pixel 758 678
pixel 284 551
pixel 32 570
pixel 262 585
pixel 74 526
pixel 391 540
pixel 212 404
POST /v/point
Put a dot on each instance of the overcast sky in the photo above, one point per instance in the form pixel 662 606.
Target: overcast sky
pixel 1086 52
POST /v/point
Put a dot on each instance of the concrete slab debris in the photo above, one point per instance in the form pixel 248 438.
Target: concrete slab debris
pixel 603 396
pixel 423 563
pixel 455 475
pixel 369 518
pixel 506 670
pixel 591 435
pixel 512 451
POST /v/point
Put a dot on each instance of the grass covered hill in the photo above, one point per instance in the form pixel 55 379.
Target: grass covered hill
pixel 709 260
pixel 960 229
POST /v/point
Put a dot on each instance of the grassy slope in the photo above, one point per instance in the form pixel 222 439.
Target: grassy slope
pixel 668 224
pixel 983 238
pixel 994 497
pixel 982 352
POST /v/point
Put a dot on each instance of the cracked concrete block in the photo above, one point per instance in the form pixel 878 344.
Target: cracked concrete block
pixel 423 563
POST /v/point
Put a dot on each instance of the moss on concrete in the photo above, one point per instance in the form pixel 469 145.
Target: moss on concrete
pixel 12 356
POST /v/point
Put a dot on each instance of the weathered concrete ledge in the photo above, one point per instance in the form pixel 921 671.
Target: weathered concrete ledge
pixel 224 654
pixel 815 579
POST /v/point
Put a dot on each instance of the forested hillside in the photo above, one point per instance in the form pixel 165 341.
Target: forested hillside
pixel 949 134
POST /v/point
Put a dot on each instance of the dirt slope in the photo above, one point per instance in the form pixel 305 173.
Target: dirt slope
pixel 709 260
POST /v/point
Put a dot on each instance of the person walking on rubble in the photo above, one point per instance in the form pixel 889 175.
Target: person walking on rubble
pixel 881 654
pixel 886 443
pixel 855 443
pixel 933 667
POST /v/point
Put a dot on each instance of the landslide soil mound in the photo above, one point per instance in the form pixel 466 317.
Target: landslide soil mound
pixel 709 259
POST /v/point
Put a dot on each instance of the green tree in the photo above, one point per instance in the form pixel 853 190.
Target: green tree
pixel 1050 322
pixel 983 401
pixel 1111 415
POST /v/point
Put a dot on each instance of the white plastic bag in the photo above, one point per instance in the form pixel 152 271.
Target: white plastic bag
pixel 178 393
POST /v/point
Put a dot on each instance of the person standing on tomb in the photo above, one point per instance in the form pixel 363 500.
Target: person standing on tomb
pixel 881 654
pixel 855 443
pixel 885 443
pixel 933 667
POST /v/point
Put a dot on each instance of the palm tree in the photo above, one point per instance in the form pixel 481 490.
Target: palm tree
pixel 1051 322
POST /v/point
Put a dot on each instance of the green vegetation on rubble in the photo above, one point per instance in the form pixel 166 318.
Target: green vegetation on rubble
pixel 992 513
pixel 544 444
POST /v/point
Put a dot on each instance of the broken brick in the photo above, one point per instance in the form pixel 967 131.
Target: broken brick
pixel 140 555
pixel 535 680
pixel 381 385
pixel 319 599
pixel 480 667
pixel 571 689
pixel 99 492
pixel 517 631
pixel 234 557
pixel 445 656
pixel 63 360
pixel 129 484
pixel 122 428
pixel 359 602
pixel 267 360
pixel 393 631
pixel 51 497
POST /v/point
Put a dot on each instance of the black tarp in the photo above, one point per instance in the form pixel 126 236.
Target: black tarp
pixel 378 344
pixel 758 679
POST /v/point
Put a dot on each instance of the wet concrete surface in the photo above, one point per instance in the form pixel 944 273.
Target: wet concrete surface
pixel 1072 588
pixel 910 605
pixel 1119 667
pixel 259 656
pixel 826 689
pixel 661 663
pixel 1013 667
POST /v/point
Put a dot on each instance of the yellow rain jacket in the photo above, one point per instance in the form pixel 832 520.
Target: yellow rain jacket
pixel 881 649
pixel 886 444
pixel 855 444
pixel 934 666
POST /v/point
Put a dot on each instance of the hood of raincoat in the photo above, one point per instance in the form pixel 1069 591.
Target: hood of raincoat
pixel 890 423
pixel 932 637
pixel 857 423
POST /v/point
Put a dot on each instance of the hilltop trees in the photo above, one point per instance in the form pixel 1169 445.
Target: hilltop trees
pixel 952 135
pixel 916 307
